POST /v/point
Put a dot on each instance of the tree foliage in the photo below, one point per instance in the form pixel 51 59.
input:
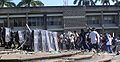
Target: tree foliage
pixel 84 2
pixel 30 3
pixel 7 3
pixel 93 2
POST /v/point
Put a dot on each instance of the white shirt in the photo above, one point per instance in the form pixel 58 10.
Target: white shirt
pixel 61 36
pixel 98 38
pixel 93 36
pixel 76 36
pixel 87 35
pixel 109 39
pixel 71 38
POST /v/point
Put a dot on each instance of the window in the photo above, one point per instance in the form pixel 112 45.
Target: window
pixel 109 19
pixel 35 21
pixel 17 22
pixel 5 22
pixel 54 20
pixel 32 21
pixel 40 21
pixel 52 23
pixel 1 22
pixel 93 19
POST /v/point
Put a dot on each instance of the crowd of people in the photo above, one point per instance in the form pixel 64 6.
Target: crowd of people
pixel 14 39
pixel 88 41
pixel 10 40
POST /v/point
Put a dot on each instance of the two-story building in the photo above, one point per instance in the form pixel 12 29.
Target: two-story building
pixel 62 18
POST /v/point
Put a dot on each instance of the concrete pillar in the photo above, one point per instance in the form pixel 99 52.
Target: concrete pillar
pixel 45 21
pixel 8 21
pixel 63 24
pixel 26 18
pixel 102 20
pixel 118 21
pixel 119 18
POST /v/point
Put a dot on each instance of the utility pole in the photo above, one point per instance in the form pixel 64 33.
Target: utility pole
pixel 65 2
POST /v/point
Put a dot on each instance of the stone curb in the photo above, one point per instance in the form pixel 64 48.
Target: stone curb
pixel 8 52
pixel 105 60
pixel 48 56
pixel 80 57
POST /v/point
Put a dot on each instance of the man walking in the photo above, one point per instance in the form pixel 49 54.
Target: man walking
pixel 83 45
pixel 108 43
pixel 94 38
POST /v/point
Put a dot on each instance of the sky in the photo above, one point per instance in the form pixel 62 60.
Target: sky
pixel 53 2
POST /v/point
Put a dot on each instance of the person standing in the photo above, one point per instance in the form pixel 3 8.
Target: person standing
pixel 82 45
pixel 11 40
pixel 72 42
pixel 60 42
pixel 94 39
pixel 87 39
pixel 108 43
pixel 3 37
pixel 114 41
pixel 76 36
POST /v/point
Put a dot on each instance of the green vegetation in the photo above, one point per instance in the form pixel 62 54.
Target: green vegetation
pixel 37 3
pixel 117 3
pixel 7 3
pixel 84 2
pixel 30 3
pixel 22 3
pixel 107 2
pixel 93 2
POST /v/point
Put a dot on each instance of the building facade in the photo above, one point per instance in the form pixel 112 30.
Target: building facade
pixel 62 18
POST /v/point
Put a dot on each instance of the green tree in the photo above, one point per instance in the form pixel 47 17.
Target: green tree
pixel 30 3
pixel 117 3
pixel 106 2
pixel 84 2
pixel 7 3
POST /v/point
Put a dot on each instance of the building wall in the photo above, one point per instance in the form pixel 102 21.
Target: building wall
pixel 63 18
pixel 74 18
